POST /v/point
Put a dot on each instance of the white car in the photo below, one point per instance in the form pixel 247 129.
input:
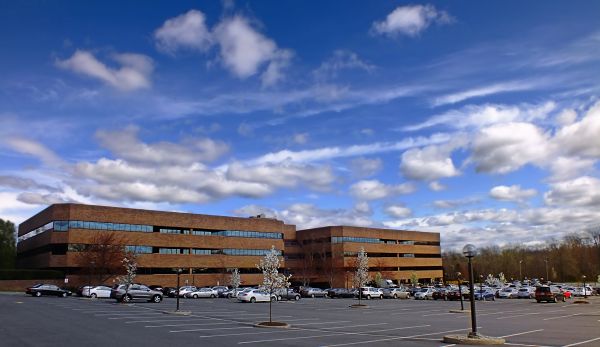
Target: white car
pixel 424 294
pixel 526 293
pixel 97 292
pixel 186 289
pixel 508 293
pixel 579 291
pixel 202 293
pixel 370 292
pixel 256 295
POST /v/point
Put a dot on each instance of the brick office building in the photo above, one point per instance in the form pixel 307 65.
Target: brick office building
pixel 206 247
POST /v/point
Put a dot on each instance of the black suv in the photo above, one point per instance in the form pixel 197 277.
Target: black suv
pixel 120 292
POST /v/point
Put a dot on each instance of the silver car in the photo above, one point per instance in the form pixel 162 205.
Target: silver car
pixel 202 293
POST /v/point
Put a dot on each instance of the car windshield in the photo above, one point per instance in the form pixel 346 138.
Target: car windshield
pixel 424 290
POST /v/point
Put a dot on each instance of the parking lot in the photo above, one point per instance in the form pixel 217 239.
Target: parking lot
pixel 50 321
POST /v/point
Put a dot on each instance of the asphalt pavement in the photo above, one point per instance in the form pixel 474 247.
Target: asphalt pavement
pixel 52 321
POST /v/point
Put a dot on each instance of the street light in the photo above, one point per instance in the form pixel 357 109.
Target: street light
pixel 178 271
pixel 481 287
pixel 584 291
pixel 520 273
pixel 469 251
pixel 462 306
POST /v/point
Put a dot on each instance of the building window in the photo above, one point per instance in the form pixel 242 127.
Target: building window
pixel 36 232
pixel 135 249
pixel 342 239
pixel 174 251
pixel 198 251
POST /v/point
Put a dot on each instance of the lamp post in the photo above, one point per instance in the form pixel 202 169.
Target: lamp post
pixel 462 306
pixel 481 287
pixel 584 291
pixel 469 251
pixel 89 288
pixel 178 271
pixel 520 273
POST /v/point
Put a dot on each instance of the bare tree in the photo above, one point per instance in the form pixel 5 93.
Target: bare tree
pixel 272 279
pixel 130 265
pixel 102 257
pixel 235 279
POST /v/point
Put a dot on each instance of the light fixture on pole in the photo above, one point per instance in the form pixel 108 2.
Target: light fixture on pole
pixel 520 273
pixel 178 271
pixel 462 306
pixel 584 290
pixel 470 251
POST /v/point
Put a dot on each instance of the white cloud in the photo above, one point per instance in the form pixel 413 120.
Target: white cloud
pixel 398 211
pixel 244 50
pixel 436 186
pixel 306 216
pixel 582 138
pixel 286 174
pixel 364 167
pixel 512 193
pixel 563 168
pixel 504 87
pixel 186 31
pixel 341 60
pixel 35 149
pixel 447 204
pixel 134 73
pixel 301 138
pixel 410 20
pixel 15 182
pixel 374 190
pixel 506 147
pixel 566 117
pixel 478 116
pixel 428 164
pixel 582 191
pixel 33 198
pixel 125 144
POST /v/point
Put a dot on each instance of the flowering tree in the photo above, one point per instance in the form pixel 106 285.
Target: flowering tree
pixel 272 279
pixel 235 279
pixel 130 264
pixel 361 276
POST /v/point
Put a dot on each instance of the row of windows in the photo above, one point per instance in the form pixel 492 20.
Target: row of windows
pixel 139 249
pixel 256 234
pixel 77 224
pixel 174 251
pixel 341 239
pixel 76 247
pixel 35 232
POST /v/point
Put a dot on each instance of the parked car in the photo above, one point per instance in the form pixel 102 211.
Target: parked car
pixel 169 291
pixel 127 293
pixel 549 294
pixel 440 294
pixel 186 289
pixel 485 294
pixel 508 293
pixel 97 292
pixel 341 293
pixel 156 287
pixel 526 293
pixel 580 291
pixel 371 293
pixel 287 294
pixel 202 293
pixel 310 292
pixel 424 294
pixel 229 293
pixel 47 289
pixel 396 293
pixel 82 289
pixel 220 289
pixel 256 295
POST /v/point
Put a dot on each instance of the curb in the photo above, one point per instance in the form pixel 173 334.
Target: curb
pixel 477 340
pixel 359 306
pixel 281 326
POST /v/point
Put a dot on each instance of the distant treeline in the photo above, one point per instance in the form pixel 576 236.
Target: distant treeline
pixel 566 260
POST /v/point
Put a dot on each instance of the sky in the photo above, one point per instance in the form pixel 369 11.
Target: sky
pixel 477 120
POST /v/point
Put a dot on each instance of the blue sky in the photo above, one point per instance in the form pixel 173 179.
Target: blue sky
pixel 478 120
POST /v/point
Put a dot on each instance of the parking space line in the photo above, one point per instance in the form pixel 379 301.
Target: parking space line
pixel 335 334
pixel 582 342
pixel 524 345
pixel 334 322
pixel 565 316
pixel 166 319
pixel 521 315
pixel 438 314
pixel 523 333
pixel 190 330
pixel 184 324
pixel 500 312
pixel 132 317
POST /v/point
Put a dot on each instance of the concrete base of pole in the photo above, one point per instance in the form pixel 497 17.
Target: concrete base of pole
pixel 468 339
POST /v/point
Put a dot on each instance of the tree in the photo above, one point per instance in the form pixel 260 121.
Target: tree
pixel 361 276
pixel 103 257
pixel 7 244
pixel 130 265
pixel 235 279
pixel 272 279
pixel 414 279
pixel 379 281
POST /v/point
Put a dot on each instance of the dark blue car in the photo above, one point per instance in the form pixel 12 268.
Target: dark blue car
pixel 485 294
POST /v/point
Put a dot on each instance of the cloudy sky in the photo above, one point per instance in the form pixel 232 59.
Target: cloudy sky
pixel 478 120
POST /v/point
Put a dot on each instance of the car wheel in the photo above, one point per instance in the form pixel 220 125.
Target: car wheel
pixel 555 300
pixel 368 297
pixel 279 298
pixel 156 299
pixel 195 296
pixel 127 298
pixel 212 296
pixel 38 294
pixel 228 296
pixel 395 296
pixel 93 296
pixel 563 299
pixel 252 300
pixel 312 295
pixel 297 297
pixel 273 298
